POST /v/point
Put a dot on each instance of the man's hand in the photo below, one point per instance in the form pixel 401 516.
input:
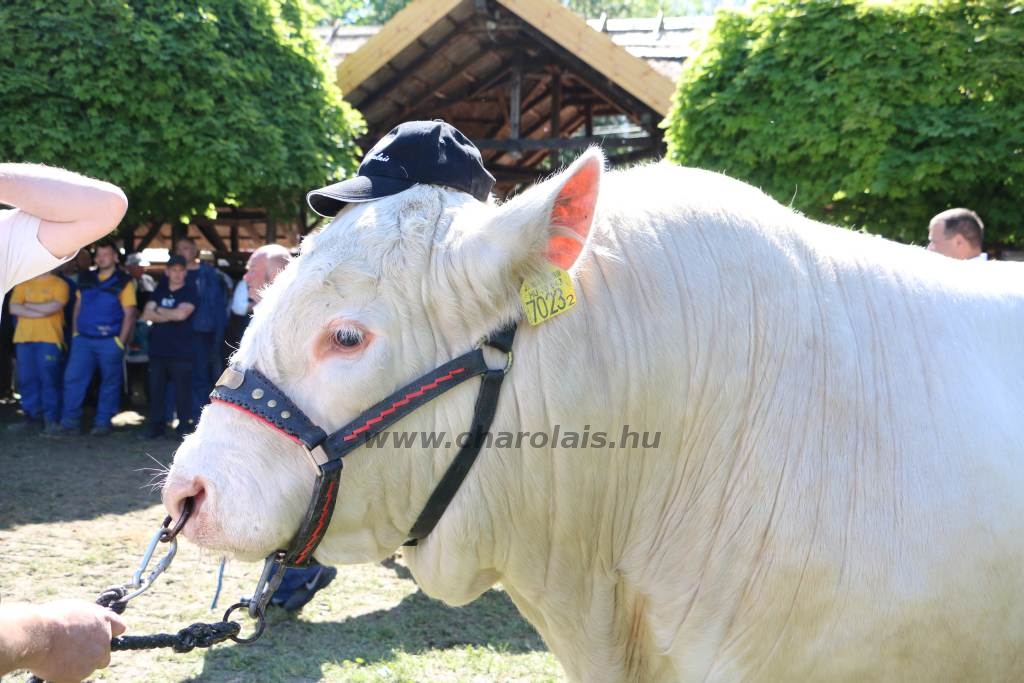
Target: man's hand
pixel 59 641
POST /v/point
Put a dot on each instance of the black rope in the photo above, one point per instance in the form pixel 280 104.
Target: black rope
pixel 185 640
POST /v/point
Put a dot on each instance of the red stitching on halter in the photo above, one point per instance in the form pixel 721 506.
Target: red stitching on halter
pixel 401 402
pixel 315 536
pixel 248 412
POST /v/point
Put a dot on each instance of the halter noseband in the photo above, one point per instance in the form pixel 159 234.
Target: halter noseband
pixel 252 392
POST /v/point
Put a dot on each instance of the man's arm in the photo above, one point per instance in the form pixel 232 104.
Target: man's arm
pixel 74 316
pixel 23 311
pixel 45 308
pixel 180 312
pixel 128 325
pixel 74 210
pixel 59 641
pixel 154 313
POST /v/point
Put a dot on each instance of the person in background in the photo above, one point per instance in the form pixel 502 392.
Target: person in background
pixel 170 347
pixel 957 233
pixel 238 319
pixel 39 346
pixel 261 269
pixel 104 318
pixel 208 321
pixel 56 213
pixel 144 282
pixel 68 272
pixel 298 586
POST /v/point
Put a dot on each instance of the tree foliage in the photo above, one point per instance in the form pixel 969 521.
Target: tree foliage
pixel 356 12
pixel 187 104
pixel 871 115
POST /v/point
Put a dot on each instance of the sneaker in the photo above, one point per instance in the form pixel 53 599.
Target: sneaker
pixel 99 431
pixel 304 593
pixel 25 426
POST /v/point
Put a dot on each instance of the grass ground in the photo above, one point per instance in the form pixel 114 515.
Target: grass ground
pixel 76 515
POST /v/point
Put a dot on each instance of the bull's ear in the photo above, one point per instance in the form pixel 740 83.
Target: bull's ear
pixel 548 224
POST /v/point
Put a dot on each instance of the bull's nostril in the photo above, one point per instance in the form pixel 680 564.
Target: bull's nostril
pixel 178 492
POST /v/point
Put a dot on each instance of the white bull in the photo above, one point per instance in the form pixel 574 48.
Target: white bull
pixel 837 491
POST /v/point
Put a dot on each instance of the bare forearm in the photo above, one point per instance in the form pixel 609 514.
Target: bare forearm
pixel 74 210
pixel 54 194
pixel 45 308
pixel 23 311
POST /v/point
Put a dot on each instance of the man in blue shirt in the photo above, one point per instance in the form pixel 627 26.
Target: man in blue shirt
pixel 103 321
pixel 208 321
pixel 168 310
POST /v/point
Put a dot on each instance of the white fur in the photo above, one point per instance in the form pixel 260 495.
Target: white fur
pixel 837 492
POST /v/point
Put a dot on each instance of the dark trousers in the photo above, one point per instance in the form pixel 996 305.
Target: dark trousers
pixel 164 371
pixel 202 377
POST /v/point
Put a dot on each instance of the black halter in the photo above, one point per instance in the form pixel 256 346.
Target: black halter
pixel 251 391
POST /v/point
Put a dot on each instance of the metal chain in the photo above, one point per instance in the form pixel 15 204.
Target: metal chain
pixel 115 598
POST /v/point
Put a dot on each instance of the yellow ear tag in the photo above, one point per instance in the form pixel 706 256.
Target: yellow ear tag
pixel 548 296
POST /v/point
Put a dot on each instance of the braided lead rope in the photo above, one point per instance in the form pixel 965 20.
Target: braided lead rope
pixel 185 640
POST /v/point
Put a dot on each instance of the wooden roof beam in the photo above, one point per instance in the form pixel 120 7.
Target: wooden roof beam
pixel 524 144
pixel 395 36
pixel 400 75
pixel 572 34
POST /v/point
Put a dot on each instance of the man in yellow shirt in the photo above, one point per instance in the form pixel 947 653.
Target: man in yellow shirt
pixel 104 318
pixel 39 345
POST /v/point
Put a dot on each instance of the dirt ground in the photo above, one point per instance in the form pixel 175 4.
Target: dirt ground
pixel 76 515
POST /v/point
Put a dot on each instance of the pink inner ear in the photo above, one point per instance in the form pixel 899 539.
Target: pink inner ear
pixel 573 209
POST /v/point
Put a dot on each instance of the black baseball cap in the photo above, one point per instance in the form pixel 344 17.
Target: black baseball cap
pixel 176 260
pixel 415 152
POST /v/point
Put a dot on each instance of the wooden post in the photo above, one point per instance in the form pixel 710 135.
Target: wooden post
pixel 556 104
pixel 515 104
pixel 271 231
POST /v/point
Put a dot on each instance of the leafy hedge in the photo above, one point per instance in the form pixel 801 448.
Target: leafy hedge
pixel 869 115
pixel 185 104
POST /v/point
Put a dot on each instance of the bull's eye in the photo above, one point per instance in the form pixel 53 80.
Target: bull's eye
pixel 348 338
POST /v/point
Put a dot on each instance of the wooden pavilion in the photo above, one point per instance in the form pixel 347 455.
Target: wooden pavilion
pixel 529 81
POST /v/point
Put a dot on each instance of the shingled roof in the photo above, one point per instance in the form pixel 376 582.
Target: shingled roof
pixel 525 79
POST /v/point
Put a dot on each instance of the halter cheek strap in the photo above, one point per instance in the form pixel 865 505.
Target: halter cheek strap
pixel 252 392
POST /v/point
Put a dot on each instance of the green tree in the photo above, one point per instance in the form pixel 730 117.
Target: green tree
pixel 864 114
pixel 356 12
pixel 187 105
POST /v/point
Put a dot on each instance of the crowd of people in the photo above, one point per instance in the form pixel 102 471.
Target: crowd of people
pixel 74 325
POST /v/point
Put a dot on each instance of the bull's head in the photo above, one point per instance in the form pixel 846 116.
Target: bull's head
pixel 388 291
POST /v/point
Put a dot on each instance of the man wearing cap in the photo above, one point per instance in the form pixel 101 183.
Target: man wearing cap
pixel 170 347
pixel 413 153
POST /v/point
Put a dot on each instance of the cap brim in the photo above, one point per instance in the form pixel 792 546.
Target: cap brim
pixel 328 201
